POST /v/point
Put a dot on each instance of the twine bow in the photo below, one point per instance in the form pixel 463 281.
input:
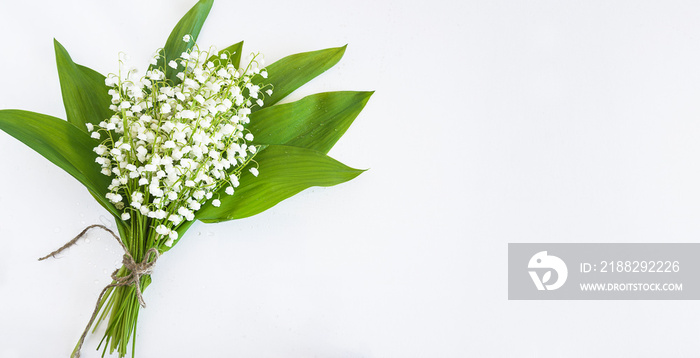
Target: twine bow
pixel 136 270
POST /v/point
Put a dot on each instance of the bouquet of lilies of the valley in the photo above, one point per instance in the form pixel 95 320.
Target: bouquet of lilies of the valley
pixel 197 136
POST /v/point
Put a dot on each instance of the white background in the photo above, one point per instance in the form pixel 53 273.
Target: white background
pixel 493 122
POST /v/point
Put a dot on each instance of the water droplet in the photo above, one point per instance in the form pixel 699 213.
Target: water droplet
pixel 87 240
pixel 97 282
pixel 210 233
pixel 106 222
pixel 57 230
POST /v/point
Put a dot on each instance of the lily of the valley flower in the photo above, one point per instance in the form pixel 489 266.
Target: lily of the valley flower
pixel 170 146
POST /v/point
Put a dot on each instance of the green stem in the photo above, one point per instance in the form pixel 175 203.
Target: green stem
pixel 123 307
pixel 120 306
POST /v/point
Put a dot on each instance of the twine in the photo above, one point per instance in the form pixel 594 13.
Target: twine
pixel 137 269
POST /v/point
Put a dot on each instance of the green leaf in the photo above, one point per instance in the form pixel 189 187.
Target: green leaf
pixel 292 72
pixel 284 172
pixel 84 91
pixel 233 52
pixel 61 143
pixel 190 24
pixel 315 122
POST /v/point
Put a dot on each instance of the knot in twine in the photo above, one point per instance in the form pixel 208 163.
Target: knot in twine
pixel 136 270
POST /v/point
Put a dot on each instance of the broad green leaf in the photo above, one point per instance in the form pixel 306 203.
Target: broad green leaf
pixel 233 53
pixel 292 72
pixel 61 143
pixel 284 172
pixel 190 24
pixel 84 92
pixel 315 122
